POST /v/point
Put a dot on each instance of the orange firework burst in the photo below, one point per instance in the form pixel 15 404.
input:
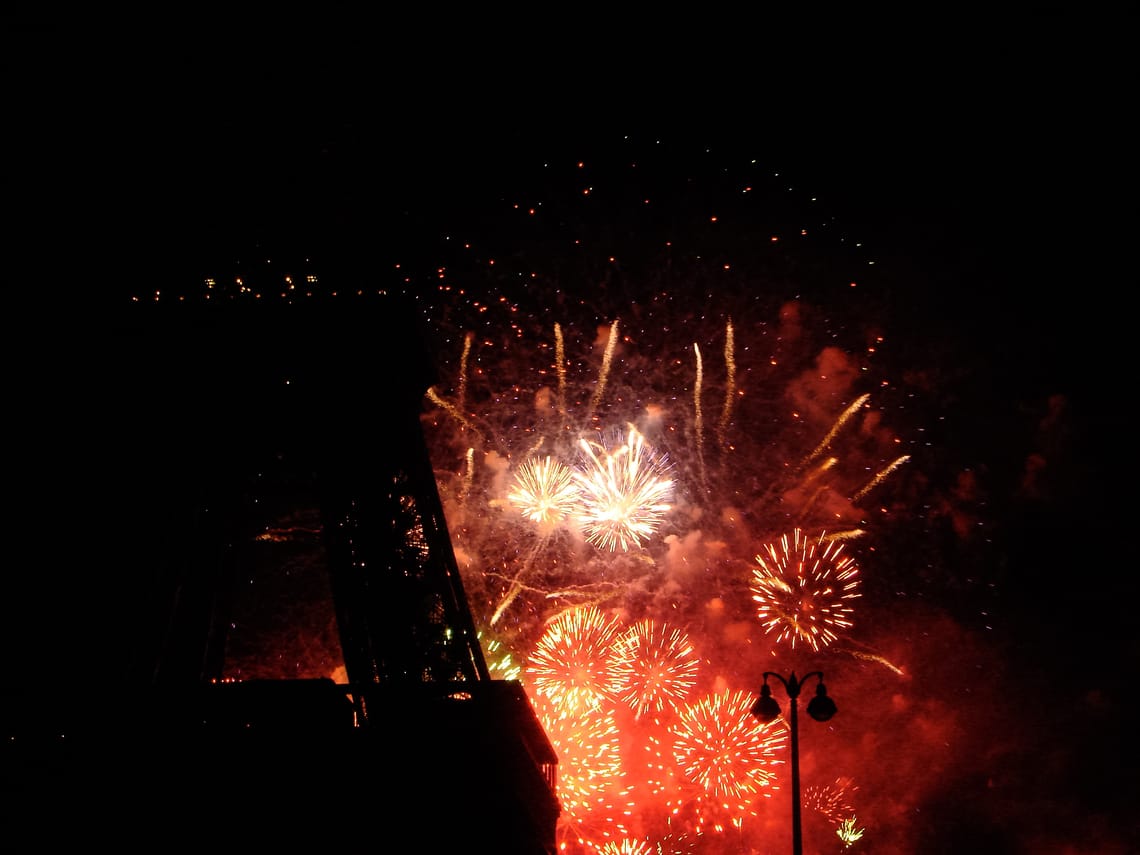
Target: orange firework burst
pixel 722 748
pixel 589 773
pixel 544 491
pixel 654 667
pixel 627 847
pixel 571 663
pixel 831 801
pixel 802 590
pixel 624 492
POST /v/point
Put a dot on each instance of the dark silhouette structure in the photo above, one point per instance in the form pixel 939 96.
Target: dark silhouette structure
pixel 222 431
pixel 821 708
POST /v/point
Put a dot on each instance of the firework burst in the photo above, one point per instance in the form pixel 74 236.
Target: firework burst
pixel 628 847
pixel 831 801
pixel 803 589
pixel 725 751
pixel 571 663
pixel 544 492
pixel 590 788
pixel 654 667
pixel 624 491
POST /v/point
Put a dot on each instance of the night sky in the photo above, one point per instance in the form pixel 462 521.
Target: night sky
pixel 983 177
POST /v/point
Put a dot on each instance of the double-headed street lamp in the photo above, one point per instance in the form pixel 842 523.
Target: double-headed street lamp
pixel 821 708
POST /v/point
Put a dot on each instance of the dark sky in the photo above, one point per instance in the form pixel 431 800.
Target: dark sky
pixel 987 169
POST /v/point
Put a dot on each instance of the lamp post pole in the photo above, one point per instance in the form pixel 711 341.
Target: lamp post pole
pixel 821 708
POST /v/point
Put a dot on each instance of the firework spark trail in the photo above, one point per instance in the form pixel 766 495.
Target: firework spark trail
pixel 604 373
pixel 871 657
pixel 677 844
pixel 722 748
pixel 729 388
pixel 654 667
pixel 571 663
pixel 468 473
pixel 560 364
pixel 500 660
pixel 698 416
pixel 461 398
pixel 842 420
pixel 623 494
pixel 880 477
pixel 450 408
pixel 651 767
pixel 850 534
pixel 802 592
pixel 516 586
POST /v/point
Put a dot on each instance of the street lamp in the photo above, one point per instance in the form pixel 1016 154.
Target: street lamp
pixel 821 708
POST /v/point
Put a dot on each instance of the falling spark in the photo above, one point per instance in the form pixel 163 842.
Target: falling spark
pixel 468 471
pixel 874 657
pixel 677 844
pixel 462 393
pixel 624 493
pixel 500 662
pixel 803 590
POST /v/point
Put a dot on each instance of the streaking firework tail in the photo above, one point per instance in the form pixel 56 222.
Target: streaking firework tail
pixel 880 477
pixel 803 589
pixel 842 420
pixel 560 365
pixel 698 414
pixel 603 375
pixel 729 387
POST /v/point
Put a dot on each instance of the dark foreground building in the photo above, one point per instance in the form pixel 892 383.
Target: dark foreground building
pixel 229 460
